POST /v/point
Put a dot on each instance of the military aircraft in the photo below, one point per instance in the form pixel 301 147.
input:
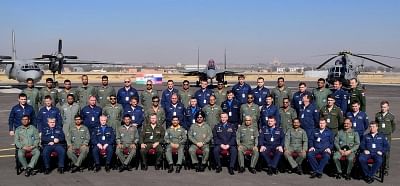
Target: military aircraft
pixel 21 69
pixel 344 69
pixel 210 72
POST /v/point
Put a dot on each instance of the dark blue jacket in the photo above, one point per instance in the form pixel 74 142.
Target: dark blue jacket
pixel 267 112
pixel 341 99
pixel 49 134
pixel 271 138
pixel 179 111
pixel 260 95
pixel 91 116
pixel 359 122
pixel 321 141
pixel 379 142
pixel 14 119
pixel 166 97
pixel 241 92
pixel 190 117
pixel 203 97
pixel 106 136
pixel 224 135
pixel 233 110
pixel 138 114
pixel 309 117
pixel 43 114
pixel 124 96
pixel 297 100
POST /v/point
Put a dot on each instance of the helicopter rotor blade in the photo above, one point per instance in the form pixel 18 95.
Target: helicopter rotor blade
pixel 378 56
pixel 372 60
pixel 327 61
pixel 59 45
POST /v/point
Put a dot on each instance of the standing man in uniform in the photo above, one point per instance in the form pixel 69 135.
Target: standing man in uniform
pixel 68 111
pixel 220 93
pixel 63 94
pixel 151 137
pixel 174 108
pixel 158 110
pixel 175 138
pixel 269 110
pixel 185 93
pixel 103 139
pixel 167 94
pixel 309 116
pixel 49 91
pixel 224 135
pixel 190 114
pixel 16 113
pixel 48 111
pixel 241 90
pixel 127 136
pixel 78 138
pixel 212 111
pixel 287 115
pixel 320 93
pixel 356 94
pixel 104 92
pixel 85 91
pixel 114 112
pixel 32 94
pixel 347 142
pixel 247 140
pixel 280 92
pixel 26 140
pixel 386 125
pixel 91 114
pixel 271 141
pixel 147 95
pixel 125 93
pixel 297 100
pixel 260 92
pixel 203 94
pixel 333 115
pixel 250 109
pixel 341 96
pixel 53 140
pixel 136 112
pixel 358 118
pixel 296 141
pixel 232 107
pixel 200 135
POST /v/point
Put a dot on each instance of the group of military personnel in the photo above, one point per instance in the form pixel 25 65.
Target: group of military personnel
pixel 232 123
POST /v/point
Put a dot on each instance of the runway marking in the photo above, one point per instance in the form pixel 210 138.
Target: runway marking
pixel 395 139
pixel 7 156
pixel 7 149
pixel 5 110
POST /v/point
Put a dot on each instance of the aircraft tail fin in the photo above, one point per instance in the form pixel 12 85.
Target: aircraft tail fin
pixel 14 51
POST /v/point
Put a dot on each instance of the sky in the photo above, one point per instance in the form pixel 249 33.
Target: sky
pixel 170 31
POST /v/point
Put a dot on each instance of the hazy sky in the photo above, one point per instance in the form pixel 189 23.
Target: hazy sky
pixel 169 31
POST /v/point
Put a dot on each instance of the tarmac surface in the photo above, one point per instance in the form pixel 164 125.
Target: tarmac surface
pixel 374 93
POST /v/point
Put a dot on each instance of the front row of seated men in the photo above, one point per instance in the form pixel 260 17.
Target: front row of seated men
pixel 270 142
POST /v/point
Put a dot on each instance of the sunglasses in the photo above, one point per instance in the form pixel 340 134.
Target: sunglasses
pixel 148 84
pixel 113 98
pixel 127 81
pixel 155 100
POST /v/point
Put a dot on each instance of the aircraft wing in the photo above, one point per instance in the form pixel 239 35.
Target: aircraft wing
pixel 77 62
pixel 229 72
pixel 192 73
pixel 5 62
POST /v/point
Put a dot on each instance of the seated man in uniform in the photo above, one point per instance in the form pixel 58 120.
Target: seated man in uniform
pixel 151 138
pixel 27 140
pixel 200 135
pixel 175 138
pixel 127 138
pixel 53 140
pixel 296 141
pixel 78 138
pixel 247 140
pixel 103 140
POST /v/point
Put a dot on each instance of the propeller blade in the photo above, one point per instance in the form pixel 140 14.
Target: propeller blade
pixel 59 45
pixel 71 57
pixel 327 61
pixel 48 56
pixel 373 60
pixel 378 55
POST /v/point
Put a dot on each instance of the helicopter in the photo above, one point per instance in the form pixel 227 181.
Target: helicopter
pixel 344 69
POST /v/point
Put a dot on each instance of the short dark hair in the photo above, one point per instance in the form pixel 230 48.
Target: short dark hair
pixel 302 83
pixel 71 95
pixel 104 77
pixel 48 97
pixel 67 81
pixel 49 79
pixel 77 116
pixel 29 79
pixel 281 78
pixel 321 79
pixel 22 95
pixel 200 113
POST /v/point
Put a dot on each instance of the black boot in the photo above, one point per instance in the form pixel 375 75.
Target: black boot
pixel 28 172
pixel 122 168
pixel 218 169
pixel 61 170
pixel 197 167
pixel 47 171
pixel 241 170
pixel 158 166
pixel 144 167
pixel 107 167
pixel 203 167
pixel 230 170
pixel 252 170
pixel 97 169
pixel 178 168
pixel 170 168
pixel 75 169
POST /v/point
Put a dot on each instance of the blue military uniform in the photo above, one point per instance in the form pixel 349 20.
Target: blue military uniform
pixel 341 99
pixel 309 118
pixel 203 97
pixel 373 145
pixel 48 135
pixel 177 110
pixel 260 95
pixel 166 96
pixel 103 135
pixel 320 141
pixel 124 96
pixel 225 134
pixel 16 113
pixel 190 117
pixel 268 111
pixel 91 117
pixel 44 114
pixel 297 100
pixel 232 108
pixel 136 113
pixel 360 122
pixel 271 138
pixel 241 92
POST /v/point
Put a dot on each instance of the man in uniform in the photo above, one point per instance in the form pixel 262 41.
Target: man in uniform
pixel 386 125
pixel 309 116
pixel 103 139
pixel 190 114
pixel 147 95
pixel 271 141
pixel 374 146
pixel 127 136
pixel 48 111
pixel 174 108
pixel 224 135
pixel 250 109
pixel 185 93
pixel 287 115
pixel 136 112
pixel 296 141
pixel 158 110
pixel 203 94
pixel 85 91
pixel 358 118
pixel 53 140
pixel 212 111
pixel 232 107
pixel 200 135
pixel 333 115
pixel 151 137
pixel 320 142
pixel 280 92
pixel 68 111
pixel 91 114
pixel 26 140
pixel 104 92
pixel 78 138
pixel 48 90
pixel 167 95
pixel 125 93
pixel 269 110
pixel 220 93
pixel 247 140
pixel 297 100
pixel 356 94
pixel 341 96
pixel 19 110
pixel 32 94
pixel 114 112
pixel 241 90
pixel 347 142
pixel 260 92
pixel 320 93
pixel 63 94
pixel 175 138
